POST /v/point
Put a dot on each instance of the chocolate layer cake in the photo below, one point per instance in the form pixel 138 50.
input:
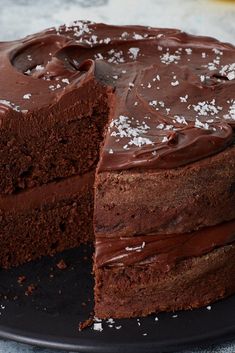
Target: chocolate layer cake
pixel 155 108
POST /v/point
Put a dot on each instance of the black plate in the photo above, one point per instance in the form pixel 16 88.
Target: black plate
pixel 50 316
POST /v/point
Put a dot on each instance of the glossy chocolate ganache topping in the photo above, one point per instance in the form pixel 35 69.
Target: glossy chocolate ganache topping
pixel 166 249
pixel 174 100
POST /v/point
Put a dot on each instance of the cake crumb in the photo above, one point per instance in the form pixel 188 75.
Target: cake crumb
pixel 21 279
pixel 85 324
pixel 30 289
pixel 61 265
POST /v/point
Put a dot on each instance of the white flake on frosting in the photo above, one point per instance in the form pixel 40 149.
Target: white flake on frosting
pixel 97 326
pixel 136 248
pixel 228 71
pixel 231 110
pixel 134 53
pixel 168 58
pixel 27 96
pixel 206 108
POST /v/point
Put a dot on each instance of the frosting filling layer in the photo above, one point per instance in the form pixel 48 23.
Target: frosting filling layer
pixel 47 194
pixel 166 250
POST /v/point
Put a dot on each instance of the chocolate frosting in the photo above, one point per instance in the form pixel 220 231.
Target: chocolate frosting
pixel 174 93
pixel 166 250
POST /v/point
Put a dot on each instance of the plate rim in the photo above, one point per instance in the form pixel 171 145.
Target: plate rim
pixel 85 345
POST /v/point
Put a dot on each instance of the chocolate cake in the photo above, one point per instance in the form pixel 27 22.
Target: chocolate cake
pixel 123 136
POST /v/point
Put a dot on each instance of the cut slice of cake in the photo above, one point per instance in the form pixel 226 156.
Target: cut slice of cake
pixel 164 215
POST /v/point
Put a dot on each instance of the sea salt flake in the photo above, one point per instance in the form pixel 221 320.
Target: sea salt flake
pixel 189 51
pixel 165 139
pixel 153 103
pixel 228 71
pixel 202 78
pixel 211 66
pixel 110 321
pixel 135 248
pixel 137 36
pixel 180 119
pixel 168 111
pixel 27 96
pixel 217 51
pixel 99 56
pixel 168 58
pixel 124 34
pixel 65 80
pixel 184 99
pixel 231 111
pixel 134 53
pixel 93 39
pixel 97 326
pixel 39 67
pixel 157 78
pixel 206 108
pixel 231 76
pixel 169 127
pixel 107 40
pixel 81 28
pixel 116 57
pixel 200 125
pixel 129 128
pixel 140 141
pixel 175 83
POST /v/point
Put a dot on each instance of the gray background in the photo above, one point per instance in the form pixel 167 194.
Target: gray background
pixel 210 17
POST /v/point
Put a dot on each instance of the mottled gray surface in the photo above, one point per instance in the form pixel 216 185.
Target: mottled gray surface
pixel 211 17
